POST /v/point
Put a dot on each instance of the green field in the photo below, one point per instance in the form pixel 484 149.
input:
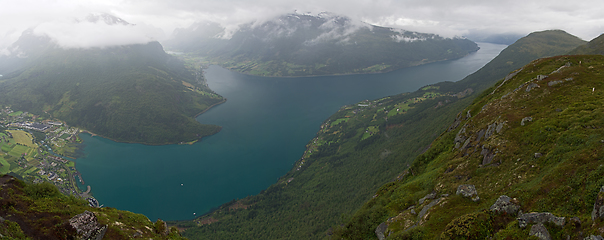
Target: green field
pixel 5 168
pixel 17 113
pixel 18 150
pixel 23 138
pixel 338 121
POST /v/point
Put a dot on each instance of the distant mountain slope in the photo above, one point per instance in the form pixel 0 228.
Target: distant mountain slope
pixel 303 45
pixel 536 137
pixel 535 45
pixel 595 46
pixel 134 93
pixel 357 150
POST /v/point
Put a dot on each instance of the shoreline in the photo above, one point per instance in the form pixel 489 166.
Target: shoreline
pixel 213 105
pixel 348 74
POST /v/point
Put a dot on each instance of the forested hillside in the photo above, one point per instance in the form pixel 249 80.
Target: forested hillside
pixel 134 93
pixel 358 149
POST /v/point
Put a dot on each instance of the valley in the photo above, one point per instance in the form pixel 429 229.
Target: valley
pixel 335 127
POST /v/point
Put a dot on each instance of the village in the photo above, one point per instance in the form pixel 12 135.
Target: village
pixel 35 150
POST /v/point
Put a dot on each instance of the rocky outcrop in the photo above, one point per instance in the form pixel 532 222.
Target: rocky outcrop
pixel 87 226
pixel 380 231
pixel 505 204
pixel 598 211
pixel 429 196
pixel 544 217
pixel 468 190
pixel 487 154
pixel 538 230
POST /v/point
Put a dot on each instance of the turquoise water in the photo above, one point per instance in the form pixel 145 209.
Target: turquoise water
pixel 266 124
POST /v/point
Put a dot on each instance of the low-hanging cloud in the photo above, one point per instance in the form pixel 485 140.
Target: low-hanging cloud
pixel 84 34
pixel 447 18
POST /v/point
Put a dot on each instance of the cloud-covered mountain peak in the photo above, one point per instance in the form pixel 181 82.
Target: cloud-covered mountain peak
pixel 106 18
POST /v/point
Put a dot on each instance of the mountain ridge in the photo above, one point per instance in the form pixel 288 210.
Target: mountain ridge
pixel 306 45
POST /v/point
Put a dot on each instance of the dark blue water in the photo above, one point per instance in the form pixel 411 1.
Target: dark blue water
pixel 266 124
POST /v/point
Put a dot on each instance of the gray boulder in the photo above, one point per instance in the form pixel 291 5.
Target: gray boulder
pixel 526 119
pixel 598 211
pixel 429 196
pixel 534 217
pixel 380 231
pixel 552 83
pixel 504 204
pixel 593 237
pixel 541 77
pixel 87 226
pixel 531 86
pixel 468 190
pixel 540 231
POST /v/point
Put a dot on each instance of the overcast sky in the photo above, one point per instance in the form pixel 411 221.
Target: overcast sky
pixel 156 19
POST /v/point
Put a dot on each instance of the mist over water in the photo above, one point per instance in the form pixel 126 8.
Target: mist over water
pixel 266 124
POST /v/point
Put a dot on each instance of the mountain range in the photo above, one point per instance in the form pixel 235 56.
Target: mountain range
pixel 305 45
pixel 510 152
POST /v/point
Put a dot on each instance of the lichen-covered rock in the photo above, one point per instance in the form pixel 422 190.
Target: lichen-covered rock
pixel 594 237
pixel 425 209
pixel 535 217
pixel 428 196
pixel 531 86
pixel 505 204
pixel 468 190
pixel 526 119
pixel 487 154
pixel 87 227
pixel 541 77
pixel 598 211
pixel 380 231
pixel 538 230
pixel 552 83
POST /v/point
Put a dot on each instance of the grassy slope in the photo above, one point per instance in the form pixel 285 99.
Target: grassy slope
pixel 134 93
pixel 566 129
pixel 40 211
pixel 344 171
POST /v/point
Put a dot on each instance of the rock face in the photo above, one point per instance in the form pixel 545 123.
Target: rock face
pixel 598 211
pixel 543 217
pixel 538 230
pixel 467 190
pixel 381 230
pixel 505 204
pixel 87 226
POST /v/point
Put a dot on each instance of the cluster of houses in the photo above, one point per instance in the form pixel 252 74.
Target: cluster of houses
pixel 31 125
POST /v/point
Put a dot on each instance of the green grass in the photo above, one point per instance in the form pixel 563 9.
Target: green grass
pixel 17 113
pixel 339 120
pixel 45 206
pixel 5 168
pixel 567 131
pixel 18 150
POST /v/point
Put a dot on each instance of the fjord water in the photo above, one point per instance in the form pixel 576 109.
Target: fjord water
pixel 266 124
